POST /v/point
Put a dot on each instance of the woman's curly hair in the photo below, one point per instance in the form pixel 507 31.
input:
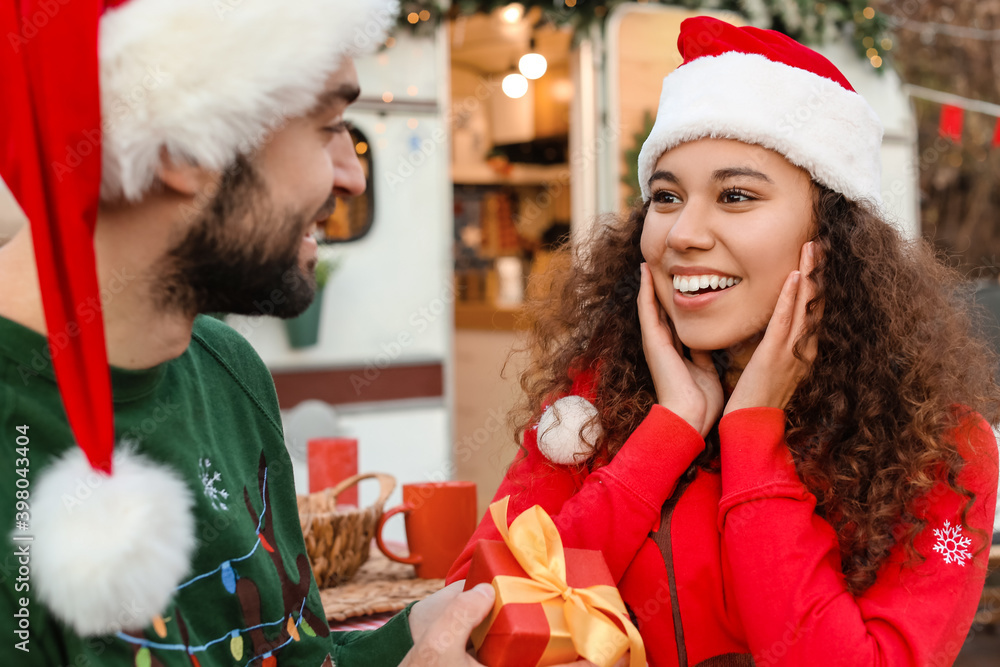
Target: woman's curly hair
pixel 868 427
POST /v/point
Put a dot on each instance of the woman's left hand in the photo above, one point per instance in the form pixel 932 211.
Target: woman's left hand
pixel 774 372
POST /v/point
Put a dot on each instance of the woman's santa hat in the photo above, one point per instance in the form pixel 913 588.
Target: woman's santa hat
pixel 762 87
pixel 95 94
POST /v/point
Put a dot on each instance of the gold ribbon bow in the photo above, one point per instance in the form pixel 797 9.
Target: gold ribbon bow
pixel 537 546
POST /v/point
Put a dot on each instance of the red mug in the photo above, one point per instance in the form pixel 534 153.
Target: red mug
pixel 440 520
pixel 331 461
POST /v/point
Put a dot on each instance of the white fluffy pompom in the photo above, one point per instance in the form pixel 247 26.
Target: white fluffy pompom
pixel 559 430
pixel 109 551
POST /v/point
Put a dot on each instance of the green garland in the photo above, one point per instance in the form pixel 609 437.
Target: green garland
pixel 805 20
pixel 631 176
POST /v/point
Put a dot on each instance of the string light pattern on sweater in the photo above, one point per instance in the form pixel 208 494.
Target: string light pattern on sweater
pixel 292 622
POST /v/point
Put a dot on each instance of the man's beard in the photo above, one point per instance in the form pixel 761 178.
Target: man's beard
pixel 241 255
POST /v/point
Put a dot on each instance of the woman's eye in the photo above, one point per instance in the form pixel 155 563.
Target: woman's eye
pixel 665 197
pixel 736 197
pixel 336 128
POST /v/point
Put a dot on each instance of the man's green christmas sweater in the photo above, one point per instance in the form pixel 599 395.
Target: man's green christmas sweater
pixel 212 416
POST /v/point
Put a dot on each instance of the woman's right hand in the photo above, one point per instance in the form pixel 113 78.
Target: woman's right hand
pixel 690 388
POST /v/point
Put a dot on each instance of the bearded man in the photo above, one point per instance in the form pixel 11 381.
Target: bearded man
pixel 173 158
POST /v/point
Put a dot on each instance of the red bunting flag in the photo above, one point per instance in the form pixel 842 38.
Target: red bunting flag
pixel 952 118
pixel 996 134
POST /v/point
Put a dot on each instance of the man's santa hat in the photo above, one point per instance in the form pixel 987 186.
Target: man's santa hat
pixel 95 93
pixel 764 88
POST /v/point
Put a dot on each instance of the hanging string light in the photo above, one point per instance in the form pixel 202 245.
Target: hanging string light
pixel 804 21
pixel 514 85
pixel 532 65
pixel 513 12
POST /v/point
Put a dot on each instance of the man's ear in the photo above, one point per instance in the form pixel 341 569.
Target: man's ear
pixel 183 177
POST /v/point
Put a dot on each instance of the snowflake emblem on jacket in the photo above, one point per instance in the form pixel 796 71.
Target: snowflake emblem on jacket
pixel 952 544
pixel 208 477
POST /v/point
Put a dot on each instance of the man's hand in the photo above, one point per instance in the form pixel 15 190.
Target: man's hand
pixel 441 625
pixel 424 613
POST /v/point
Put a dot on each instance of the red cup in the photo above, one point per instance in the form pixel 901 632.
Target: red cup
pixel 331 461
pixel 440 520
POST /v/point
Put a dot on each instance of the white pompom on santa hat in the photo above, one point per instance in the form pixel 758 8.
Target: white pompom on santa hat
pixel 568 430
pixel 199 81
pixel 762 87
pixel 110 549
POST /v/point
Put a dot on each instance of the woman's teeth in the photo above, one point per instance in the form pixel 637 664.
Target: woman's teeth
pixel 691 284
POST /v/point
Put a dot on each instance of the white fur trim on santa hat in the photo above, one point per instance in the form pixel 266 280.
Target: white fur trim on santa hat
pixel 816 123
pixel 208 80
pixel 560 427
pixel 109 551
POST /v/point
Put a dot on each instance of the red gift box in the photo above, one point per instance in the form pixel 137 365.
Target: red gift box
pixel 521 634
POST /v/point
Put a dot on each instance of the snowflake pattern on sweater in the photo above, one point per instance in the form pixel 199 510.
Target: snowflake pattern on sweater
pixel 217 496
pixel 952 544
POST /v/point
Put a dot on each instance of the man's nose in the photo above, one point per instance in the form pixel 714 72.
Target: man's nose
pixel 349 176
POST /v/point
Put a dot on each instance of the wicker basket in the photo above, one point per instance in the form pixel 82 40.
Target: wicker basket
pixel 338 540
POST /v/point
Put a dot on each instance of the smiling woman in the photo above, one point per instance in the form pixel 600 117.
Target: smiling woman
pixel 780 448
